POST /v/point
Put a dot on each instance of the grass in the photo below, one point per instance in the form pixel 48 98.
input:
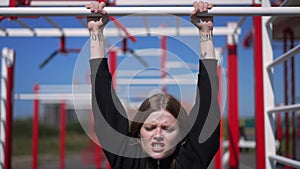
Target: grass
pixel 76 139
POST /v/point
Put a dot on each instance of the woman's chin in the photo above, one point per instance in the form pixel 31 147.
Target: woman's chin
pixel 158 156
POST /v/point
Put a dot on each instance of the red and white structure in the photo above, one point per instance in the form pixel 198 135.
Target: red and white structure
pixel 7 95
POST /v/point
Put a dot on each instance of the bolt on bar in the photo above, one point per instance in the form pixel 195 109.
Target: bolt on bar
pixel 120 11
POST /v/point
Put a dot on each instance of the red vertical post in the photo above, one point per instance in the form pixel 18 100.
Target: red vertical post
pixel 218 157
pixel 12 3
pixel 95 146
pixel 259 93
pixel 293 99
pixel 98 156
pixel 289 94
pixel 286 97
pixel 279 130
pixel 113 66
pixel 298 139
pixel 233 119
pixel 107 165
pixel 35 128
pixel 9 114
pixel 62 133
pixel 163 60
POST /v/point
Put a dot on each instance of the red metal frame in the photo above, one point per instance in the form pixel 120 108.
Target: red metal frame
pixel 113 66
pixel 233 118
pixel 293 99
pixel 9 115
pixel 289 95
pixel 12 3
pixel 163 60
pixel 279 130
pixel 62 135
pixel 133 39
pixel 286 98
pixel 259 93
pixel 98 156
pixel 35 129
pixel 218 157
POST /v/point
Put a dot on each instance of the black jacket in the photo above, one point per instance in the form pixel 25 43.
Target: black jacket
pixel 122 152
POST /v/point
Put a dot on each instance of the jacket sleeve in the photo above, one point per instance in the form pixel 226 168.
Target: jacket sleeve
pixel 110 119
pixel 206 128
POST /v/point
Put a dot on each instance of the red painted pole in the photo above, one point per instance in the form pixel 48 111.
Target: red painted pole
pixel 259 93
pixel 279 131
pixel 12 3
pixel 298 138
pixel 95 146
pixel 9 115
pixel 35 129
pixel 113 66
pixel 2 18
pixel 98 156
pixel 107 165
pixel 233 119
pixel 293 99
pixel 286 97
pixel 118 24
pixel 62 140
pixel 163 60
pixel 289 95
pixel 218 157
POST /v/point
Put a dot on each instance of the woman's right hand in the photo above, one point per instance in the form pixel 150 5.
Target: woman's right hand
pixel 96 23
pixel 203 23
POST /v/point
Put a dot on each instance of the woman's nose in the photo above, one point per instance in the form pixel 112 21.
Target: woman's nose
pixel 158 134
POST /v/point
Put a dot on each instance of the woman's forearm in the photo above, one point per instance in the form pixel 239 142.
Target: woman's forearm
pixel 97 44
pixel 207 50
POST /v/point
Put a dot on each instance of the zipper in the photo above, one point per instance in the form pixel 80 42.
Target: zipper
pixel 158 164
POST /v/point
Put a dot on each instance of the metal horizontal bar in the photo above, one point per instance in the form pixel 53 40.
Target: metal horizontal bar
pixel 181 2
pixel 53 96
pixel 108 32
pixel 120 11
pixel 136 2
pixel 285 56
pixel 155 81
pixel 285 161
pixel 287 108
pixel 242 143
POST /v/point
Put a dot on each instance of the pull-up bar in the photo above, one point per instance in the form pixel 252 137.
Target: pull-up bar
pixel 120 11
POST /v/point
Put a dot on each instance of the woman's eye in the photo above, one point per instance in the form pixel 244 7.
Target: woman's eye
pixel 149 128
pixel 169 129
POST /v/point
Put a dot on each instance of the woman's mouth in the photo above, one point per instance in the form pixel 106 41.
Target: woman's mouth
pixel 157 147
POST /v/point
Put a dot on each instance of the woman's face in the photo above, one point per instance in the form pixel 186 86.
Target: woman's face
pixel 159 134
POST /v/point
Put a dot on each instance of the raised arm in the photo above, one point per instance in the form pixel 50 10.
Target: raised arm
pixel 110 118
pixel 206 109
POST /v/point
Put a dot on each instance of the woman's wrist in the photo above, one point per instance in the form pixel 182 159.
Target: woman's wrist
pixel 96 31
pixel 205 35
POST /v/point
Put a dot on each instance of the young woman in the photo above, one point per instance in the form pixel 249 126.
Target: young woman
pixel 162 134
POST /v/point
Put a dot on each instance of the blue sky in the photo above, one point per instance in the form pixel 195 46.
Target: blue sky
pixel 31 51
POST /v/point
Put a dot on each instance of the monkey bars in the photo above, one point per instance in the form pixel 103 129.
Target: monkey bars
pixel 180 11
